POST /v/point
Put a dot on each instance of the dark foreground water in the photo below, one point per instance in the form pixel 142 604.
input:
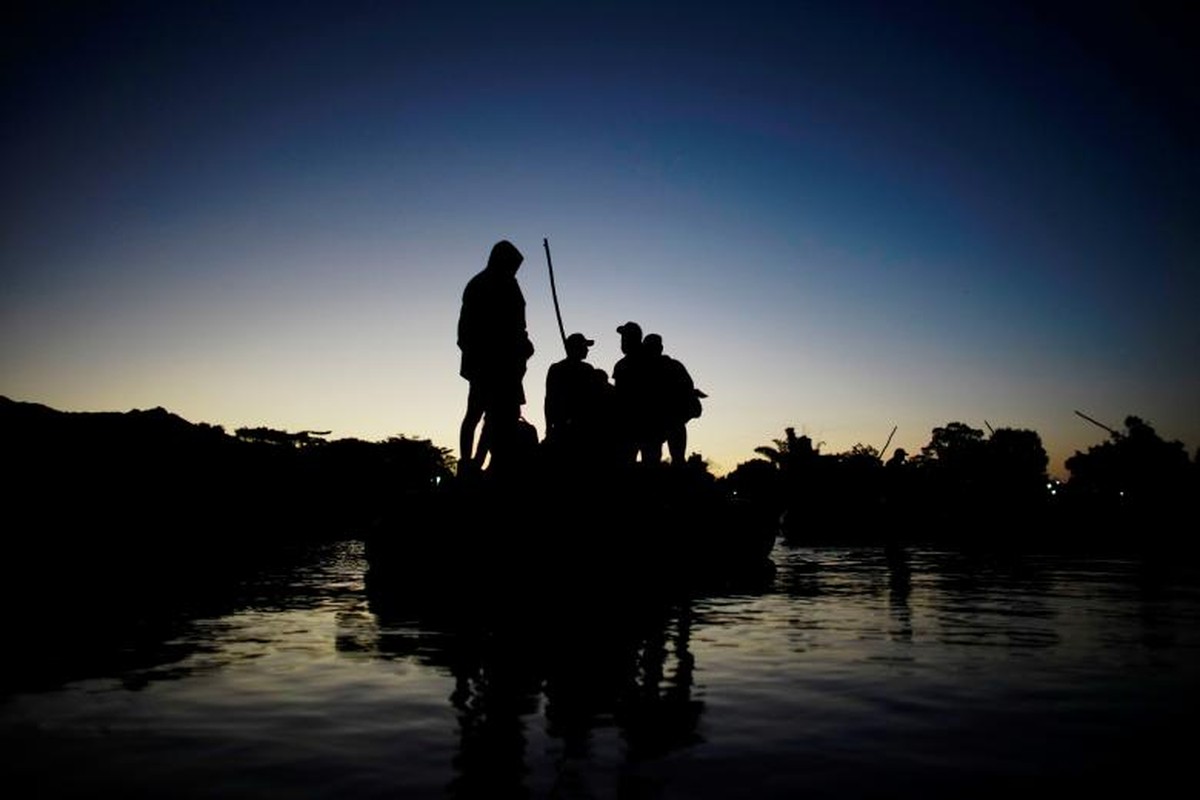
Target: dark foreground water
pixel 848 673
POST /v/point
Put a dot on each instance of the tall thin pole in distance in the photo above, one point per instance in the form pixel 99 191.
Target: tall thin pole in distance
pixel 889 441
pixel 1115 434
pixel 554 293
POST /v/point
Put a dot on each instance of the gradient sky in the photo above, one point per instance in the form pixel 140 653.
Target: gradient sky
pixel 840 216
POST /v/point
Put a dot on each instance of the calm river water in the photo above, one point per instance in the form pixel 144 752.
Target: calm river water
pixel 848 672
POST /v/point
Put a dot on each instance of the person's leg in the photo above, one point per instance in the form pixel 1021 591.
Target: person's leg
pixel 650 444
pixel 469 456
pixel 677 443
pixel 484 448
pixel 499 431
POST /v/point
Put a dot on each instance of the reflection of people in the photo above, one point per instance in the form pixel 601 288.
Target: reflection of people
pixel 673 399
pixel 495 346
pixel 577 400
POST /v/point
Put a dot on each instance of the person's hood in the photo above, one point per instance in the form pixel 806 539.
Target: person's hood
pixel 505 258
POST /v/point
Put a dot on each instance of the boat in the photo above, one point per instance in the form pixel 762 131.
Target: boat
pixel 649 523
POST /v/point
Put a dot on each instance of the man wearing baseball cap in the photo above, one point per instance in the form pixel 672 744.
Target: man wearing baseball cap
pixel 630 382
pixel 578 397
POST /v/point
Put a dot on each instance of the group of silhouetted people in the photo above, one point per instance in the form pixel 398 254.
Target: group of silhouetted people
pixel 588 419
pixel 655 397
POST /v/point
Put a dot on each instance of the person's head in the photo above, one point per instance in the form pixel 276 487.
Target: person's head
pixel 652 344
pixel 577 346
pixel 505 257
pixel 631 337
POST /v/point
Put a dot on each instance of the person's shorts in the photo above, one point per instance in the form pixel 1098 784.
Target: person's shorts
pixel 496 394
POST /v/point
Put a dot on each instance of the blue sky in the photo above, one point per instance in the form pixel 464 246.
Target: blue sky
pixel 839 219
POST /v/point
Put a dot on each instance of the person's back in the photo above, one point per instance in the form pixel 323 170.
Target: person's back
pixel 571 392
pixel 632 386
pixel 577 399
pixel 491 325
pixel 675 398
pixel 684 400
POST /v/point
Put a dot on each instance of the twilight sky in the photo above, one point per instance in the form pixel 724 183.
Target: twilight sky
pixel 840 216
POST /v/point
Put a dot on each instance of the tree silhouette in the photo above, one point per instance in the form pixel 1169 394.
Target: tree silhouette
pixel 1017 464
pixel 956 447
pixel 790 452
pixel 1136 470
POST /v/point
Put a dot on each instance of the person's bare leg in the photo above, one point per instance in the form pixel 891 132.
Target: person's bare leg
pixel 486 441
pixel 466 437
pixel 651 449
pixel 499 431
pixel 677 444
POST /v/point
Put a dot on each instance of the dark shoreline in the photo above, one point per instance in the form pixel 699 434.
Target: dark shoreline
pixel 99 484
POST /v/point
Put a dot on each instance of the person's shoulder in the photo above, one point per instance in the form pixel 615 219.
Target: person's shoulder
pixel 679 373
pixel 476 283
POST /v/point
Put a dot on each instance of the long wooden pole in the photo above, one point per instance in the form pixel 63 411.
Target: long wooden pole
pixel 554 293
pixel 1115 434
pixel 889 441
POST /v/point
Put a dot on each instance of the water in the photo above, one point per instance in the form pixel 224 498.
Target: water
pixel 848 672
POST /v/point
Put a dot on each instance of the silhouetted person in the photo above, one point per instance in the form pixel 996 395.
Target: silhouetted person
pixel 578 400
pixel 630 384
pixel 672 400
pixel 495 346
pixel 897 488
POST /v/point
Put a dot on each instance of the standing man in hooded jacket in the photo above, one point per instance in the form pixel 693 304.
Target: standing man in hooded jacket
pixel 495 346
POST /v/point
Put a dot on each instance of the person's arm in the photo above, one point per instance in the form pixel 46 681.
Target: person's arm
pixel 552 403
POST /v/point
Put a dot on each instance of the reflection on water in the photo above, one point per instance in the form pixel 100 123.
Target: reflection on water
pixel 588 667
pixel 849 672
